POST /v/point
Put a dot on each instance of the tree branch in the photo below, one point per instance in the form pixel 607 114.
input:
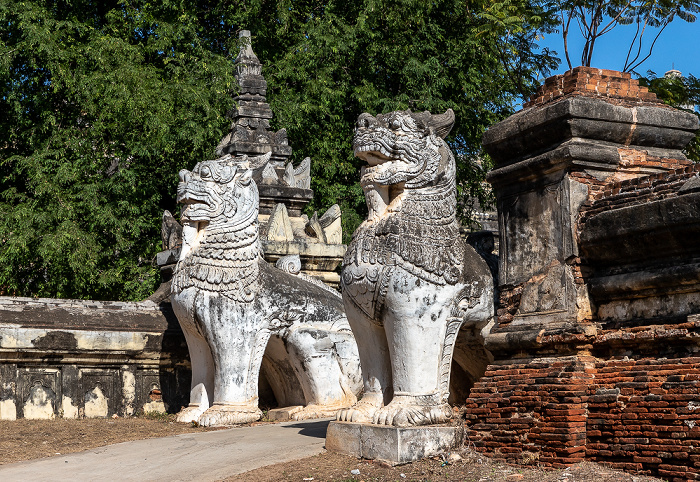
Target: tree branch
pixel 615 20
pixel 629 51
pixel 650 48
pixel 639 50
pixel 595 23
pixel 565 33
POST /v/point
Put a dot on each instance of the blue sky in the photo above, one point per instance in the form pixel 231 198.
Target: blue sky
pixel 678 47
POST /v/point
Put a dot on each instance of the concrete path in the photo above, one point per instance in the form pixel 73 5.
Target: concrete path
pixel 207 456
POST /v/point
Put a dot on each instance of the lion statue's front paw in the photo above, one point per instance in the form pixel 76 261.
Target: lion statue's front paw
pixel 223 415
pixel 362 411
pixel 189 414
pixel 412 414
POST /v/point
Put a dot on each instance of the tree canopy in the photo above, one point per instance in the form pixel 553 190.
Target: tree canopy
pixel 595 18
pixel 102 103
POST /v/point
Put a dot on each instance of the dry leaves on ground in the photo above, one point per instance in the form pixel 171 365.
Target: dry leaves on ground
pixel 472 467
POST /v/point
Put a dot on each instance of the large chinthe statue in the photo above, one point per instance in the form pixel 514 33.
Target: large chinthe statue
pixel 231 304
pixel 409 280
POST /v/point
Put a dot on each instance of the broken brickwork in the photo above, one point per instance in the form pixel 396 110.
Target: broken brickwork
pixel 637 415
pixel 596 335
pixel 616 87
pixel 642 416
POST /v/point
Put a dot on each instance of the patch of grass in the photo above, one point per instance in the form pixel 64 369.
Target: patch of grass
pixel 158 416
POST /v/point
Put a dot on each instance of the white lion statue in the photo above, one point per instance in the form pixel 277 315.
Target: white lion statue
pixel 409 280
pixel 231 304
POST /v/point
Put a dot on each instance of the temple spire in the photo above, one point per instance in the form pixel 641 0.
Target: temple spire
pixel 250 130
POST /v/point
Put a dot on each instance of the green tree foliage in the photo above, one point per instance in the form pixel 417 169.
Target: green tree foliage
pixel 595 18
pixel 681 93
pixel 103 102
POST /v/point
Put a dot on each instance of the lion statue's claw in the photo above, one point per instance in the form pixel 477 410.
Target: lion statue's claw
pixel 362 412
pixel 221 416
pixel 409 415
pixel 189 414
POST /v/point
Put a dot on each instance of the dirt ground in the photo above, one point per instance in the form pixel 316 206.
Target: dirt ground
pixel 31 439
pixel 472 467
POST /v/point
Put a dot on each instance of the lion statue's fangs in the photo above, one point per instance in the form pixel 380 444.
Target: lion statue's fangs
pixel 409 280
pixel 234 308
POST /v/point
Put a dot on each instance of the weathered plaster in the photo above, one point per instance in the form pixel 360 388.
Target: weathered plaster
pixel 8 410
pixel 154 406
pixel 17 337
pixel 40 403
pixel 96 404
pixel 129 392
pixel 112 341
pixel 650 307
pixel 68 408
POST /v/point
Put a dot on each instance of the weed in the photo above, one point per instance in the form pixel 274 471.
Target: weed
pixel 158 416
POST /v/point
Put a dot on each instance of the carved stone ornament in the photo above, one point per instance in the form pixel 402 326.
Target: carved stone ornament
pixel 231 303
pixel 409 280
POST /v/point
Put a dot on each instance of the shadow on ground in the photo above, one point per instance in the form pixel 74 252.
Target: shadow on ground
pixel 311 429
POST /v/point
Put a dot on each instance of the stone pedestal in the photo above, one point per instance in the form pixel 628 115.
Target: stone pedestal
pixel 391 444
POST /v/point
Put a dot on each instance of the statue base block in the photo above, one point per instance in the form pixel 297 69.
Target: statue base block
pixel 283 414
pixel 391 444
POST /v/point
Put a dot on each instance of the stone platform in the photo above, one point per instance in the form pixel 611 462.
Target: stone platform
pixel 391 444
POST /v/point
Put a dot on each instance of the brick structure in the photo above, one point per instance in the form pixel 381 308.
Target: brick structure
pixel 616 87
pixel 597 327
pixel 642 416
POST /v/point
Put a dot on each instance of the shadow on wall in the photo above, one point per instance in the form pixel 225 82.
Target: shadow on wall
pixel 172 391
pixel 468 364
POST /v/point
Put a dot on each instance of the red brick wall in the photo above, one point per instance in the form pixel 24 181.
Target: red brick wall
pixel 644 416
pixel 520 408
pixel 615 87
pixel 639 415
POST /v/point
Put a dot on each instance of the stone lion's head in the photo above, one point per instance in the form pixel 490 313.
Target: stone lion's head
pixel 220 191
pixel 403 147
